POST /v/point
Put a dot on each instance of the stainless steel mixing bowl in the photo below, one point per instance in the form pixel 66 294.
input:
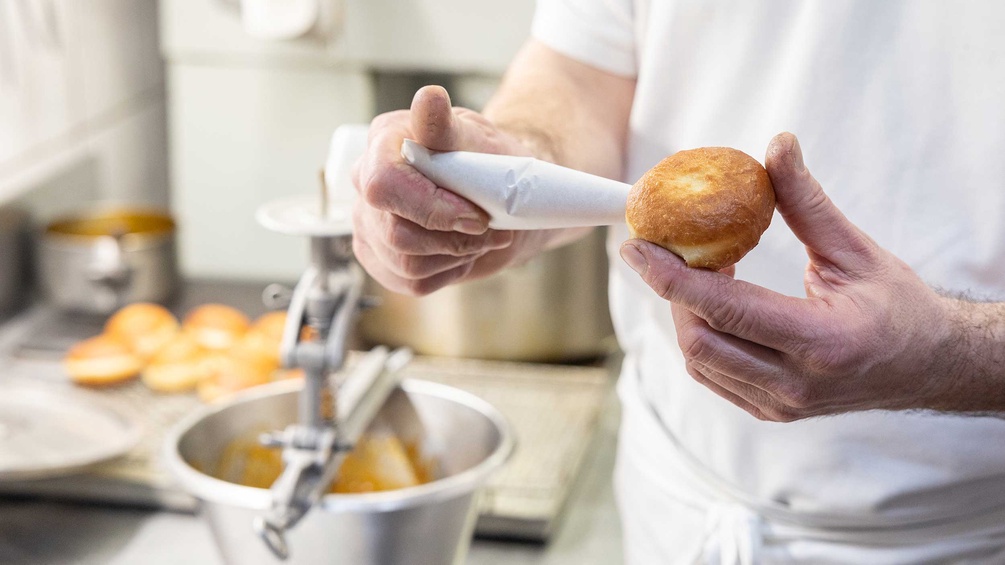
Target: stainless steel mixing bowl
pixel 429 524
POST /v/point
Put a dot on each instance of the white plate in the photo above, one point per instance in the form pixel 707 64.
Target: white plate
pixel 301 215
pixel 47 430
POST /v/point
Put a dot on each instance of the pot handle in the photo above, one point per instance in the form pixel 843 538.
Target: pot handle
pixel 109 267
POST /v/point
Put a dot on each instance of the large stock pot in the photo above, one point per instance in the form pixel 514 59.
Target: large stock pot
pixel 553 308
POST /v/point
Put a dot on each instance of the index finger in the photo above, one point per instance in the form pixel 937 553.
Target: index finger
pixel 736 307
pixel 387 182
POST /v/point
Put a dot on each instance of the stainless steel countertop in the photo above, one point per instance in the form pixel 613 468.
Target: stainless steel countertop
pixel 37 532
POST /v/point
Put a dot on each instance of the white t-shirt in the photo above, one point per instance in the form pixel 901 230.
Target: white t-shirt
pixel 899 106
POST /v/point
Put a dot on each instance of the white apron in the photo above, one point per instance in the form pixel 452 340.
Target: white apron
pixel 900 109
pixel 678 512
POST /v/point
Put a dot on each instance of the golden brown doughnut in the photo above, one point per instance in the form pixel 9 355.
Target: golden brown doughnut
pixel 265 336
pixel 709 205
pixel 233 371
pixel 179 366
pixel 144 326
pixel 271 325
pixel 216 326
pixel 101 360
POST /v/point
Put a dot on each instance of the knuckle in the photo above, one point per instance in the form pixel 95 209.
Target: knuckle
pixel 380 188
pixel 413 266
pixel 774 413
pixel 696 345
pixel 439 214
pixel 460 244
pixel 785 416
pixel 728 317
pixel 397 234
pixel 661 283
pixel 418 287
pixel 796 395
pixel 696 374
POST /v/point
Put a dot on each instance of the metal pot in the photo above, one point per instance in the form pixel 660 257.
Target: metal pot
pixel 13 263
pixel 429 524
pixel 553 308
pixel 96 261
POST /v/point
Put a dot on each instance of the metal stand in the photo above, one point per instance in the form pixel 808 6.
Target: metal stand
pixel 322 310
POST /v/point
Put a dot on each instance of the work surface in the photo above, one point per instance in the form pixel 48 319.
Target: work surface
pixel 47 532
pixel 40 532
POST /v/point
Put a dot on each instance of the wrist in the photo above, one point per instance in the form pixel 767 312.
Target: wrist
pixel 969 360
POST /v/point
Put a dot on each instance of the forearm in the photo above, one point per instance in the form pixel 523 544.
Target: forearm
pixel 568 113
pixel 973 358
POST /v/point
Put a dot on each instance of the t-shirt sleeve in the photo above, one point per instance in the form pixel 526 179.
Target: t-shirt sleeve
pixel 600 33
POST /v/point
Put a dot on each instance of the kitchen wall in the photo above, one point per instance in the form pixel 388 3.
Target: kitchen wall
pixel 174 103
pixel 82 104
pixel 251 118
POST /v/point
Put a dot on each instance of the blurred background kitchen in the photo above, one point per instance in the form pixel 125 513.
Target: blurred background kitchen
pixel 204 110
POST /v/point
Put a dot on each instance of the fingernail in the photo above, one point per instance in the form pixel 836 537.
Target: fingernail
pixel 635 259
pixel 797 155
pixel 500 239
pixel 470 226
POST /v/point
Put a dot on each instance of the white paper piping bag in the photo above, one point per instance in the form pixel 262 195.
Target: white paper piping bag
pixel 523 193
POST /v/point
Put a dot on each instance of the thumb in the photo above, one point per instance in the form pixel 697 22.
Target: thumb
pixel 434 123
pixel 809 213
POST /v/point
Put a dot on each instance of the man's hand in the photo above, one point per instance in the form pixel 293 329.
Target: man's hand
pixel 869 334
pixel 415 237
pixel 409 234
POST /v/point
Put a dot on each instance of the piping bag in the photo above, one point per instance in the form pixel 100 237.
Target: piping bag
pixel 523 193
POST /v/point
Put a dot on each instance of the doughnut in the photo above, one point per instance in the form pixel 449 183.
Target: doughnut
pixel 233 371
pixel 144 326
pixel 101 360
pixel 708 205
pixel 216 326
pixel 179 366
pixel 265 336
